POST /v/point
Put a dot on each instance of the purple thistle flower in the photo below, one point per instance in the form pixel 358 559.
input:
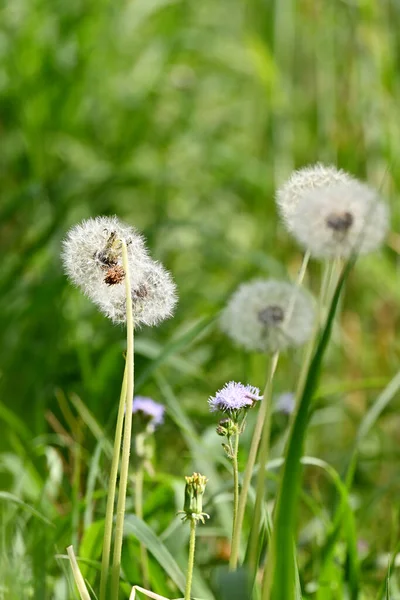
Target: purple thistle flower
pixel 149 408
pixel 234 397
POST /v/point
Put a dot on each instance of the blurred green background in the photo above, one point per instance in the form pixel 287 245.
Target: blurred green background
pixel 182 118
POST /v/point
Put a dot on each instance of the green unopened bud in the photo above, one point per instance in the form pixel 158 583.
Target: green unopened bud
pixel 194 490
pixel 226 428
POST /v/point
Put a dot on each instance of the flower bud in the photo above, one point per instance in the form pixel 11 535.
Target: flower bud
pixel 193 504
pixel 226 428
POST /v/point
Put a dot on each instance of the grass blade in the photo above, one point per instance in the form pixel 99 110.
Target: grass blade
pixel 80 582
pixel 138 528
pixel 279 580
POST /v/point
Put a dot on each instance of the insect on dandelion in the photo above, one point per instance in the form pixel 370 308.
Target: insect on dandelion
pixel 268 316
pixel 92 257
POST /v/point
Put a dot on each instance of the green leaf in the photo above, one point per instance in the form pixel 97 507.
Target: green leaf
pixel 11 498
pixel 282 566
pixel 138 528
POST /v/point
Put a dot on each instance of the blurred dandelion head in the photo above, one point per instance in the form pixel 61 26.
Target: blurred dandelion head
pixel 285 403
pixel 268 316
pixel 302 182
pixel 336 220
pixel 92 257
pixel 152 411
pixel 234 397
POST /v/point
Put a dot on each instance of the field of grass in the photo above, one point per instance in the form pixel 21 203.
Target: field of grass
pixel 182 118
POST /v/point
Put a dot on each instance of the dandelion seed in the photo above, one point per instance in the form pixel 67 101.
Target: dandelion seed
pixel 149 409
pixel 234 397
pixel 153 297
pixel 268 315
pixel 92 257
pixel 336 220
pixel 302 182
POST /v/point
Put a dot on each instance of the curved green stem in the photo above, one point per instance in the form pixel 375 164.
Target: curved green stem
pixel 192 544
pixel 126 446
pixel 263 459
pixel 112 484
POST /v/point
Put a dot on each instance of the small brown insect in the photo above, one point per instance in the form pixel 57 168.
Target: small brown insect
pixel 340 222
pixel 115 274
pixel 108 257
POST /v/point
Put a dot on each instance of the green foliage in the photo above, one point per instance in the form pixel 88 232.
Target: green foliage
pixel 182 117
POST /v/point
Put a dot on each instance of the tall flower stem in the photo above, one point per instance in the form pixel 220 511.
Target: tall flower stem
pixel 263 459
pixel 144 559
pixel 192 544
pixel 262 415
pixel 126 446
pixel 235 482
pixel 112 484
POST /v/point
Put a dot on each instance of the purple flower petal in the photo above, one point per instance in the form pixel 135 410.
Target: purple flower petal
pixel 234 396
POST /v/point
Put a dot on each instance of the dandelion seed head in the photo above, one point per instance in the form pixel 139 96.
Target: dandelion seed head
pixel 234 397
pixel 150 409
pixel 304 181
pixel 336 220
pixel 93 247
pixel 92 257
pixel 268 316
pixel 153 297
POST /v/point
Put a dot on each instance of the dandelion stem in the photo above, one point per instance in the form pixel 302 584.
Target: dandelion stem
pixel 261 419
pixel 192 543
pixel 126 445
pixel 263 459
pixel 144 560
pixel 235 483
pixel 105 562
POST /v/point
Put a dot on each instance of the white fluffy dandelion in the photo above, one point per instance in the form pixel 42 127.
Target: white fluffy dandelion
pixel 302 182
pixel 92 257
pixel 268 316
pixel 335 220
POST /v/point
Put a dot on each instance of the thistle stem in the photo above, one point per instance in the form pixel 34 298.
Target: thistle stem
pixel 192 544
pixel 263 459
pixel 112 484
pixel 235 483
pixel 144 559
pixel 126 446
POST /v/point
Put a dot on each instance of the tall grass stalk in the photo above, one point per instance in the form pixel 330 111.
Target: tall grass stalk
pixel 105 562
pixel 144 559
pixel 126 447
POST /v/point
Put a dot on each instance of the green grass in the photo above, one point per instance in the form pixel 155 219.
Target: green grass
pixel 182 118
